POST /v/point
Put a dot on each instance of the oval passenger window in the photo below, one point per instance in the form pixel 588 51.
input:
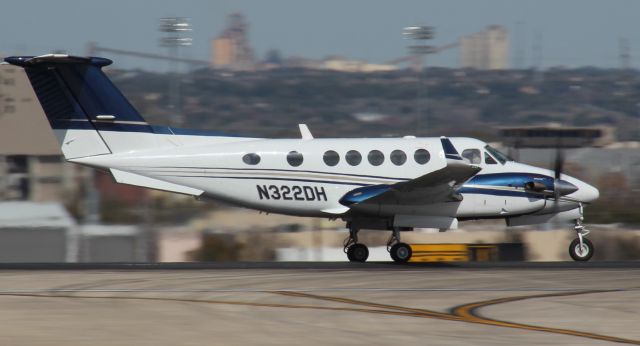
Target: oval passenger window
pixel 422 156
pixel 251 159
pixel 398 157
pixel 294 158
pixel 331 158
pixel 353 157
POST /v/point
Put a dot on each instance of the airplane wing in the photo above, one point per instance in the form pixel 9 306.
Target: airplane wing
pixel 433 187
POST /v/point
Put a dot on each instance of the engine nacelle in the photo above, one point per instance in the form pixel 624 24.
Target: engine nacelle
pixel 535 186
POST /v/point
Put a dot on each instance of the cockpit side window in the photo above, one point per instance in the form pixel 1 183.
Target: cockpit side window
pixel 502 158
pixel 472 155
pixel 489 160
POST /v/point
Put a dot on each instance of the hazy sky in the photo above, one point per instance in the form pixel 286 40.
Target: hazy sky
pixel 573 32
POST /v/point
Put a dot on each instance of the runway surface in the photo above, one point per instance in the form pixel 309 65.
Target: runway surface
pixel 320 265
pixel 320 303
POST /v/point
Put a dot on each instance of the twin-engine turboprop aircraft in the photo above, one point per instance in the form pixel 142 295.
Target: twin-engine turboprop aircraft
pixel 394 184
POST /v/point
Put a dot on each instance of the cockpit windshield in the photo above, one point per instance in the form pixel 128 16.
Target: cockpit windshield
pixel 503 158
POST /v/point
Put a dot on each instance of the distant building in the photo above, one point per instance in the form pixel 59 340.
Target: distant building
pixel 231 49
pixel 556 135
pixel 37 232
pixel 335 63
pixel 223 52
pixel 31 164
pixel 113 243
pixel 486 50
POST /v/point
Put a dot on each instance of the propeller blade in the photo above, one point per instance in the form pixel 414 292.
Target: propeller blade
pixel 557 170
pixel 559 164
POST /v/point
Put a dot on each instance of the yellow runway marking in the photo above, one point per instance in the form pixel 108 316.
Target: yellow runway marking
pixel 465 313
pixel 468 313
pixel 385 307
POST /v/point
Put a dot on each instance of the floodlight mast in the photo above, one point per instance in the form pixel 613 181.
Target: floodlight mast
pixel 176 29
pixel 419 51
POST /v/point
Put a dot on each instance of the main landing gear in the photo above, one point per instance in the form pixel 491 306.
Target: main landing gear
pixel 581 249
pixel 400 252
pixel 358 252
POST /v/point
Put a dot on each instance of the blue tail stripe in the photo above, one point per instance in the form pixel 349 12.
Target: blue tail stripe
pixel 77 88
pixel 96 94
pixel 74 90
pixel 51 94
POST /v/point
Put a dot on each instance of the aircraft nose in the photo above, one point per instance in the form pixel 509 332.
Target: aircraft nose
pixel 587 193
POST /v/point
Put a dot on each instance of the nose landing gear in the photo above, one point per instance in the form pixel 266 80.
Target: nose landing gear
pixel 581 249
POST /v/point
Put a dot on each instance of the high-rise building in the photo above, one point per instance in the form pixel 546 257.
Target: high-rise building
pixel 486 50
pixel 231 49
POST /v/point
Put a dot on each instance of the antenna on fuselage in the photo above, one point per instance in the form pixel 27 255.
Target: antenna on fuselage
pixel 304 132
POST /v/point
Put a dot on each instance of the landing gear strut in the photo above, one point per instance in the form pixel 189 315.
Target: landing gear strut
pixel 400 252
pixel 355 251
pixel 581 249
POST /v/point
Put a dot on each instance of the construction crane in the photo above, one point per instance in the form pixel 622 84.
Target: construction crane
pixel 93 49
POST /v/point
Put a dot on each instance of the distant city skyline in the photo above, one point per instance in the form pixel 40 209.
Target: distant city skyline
pixel 569 33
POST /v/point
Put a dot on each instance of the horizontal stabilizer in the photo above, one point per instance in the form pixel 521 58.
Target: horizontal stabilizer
pixel 123 177
pixel 25 61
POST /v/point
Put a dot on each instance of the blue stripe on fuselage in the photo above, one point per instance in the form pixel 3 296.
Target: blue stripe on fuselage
pixel 508 180
pixel 496 192
pixel 511 179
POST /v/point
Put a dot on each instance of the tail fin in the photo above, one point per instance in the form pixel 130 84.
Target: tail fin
pixel 82 105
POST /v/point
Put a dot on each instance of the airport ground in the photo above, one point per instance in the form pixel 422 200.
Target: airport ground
pixel 320 303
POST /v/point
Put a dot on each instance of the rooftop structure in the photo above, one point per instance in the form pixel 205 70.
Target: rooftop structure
pixel 554 136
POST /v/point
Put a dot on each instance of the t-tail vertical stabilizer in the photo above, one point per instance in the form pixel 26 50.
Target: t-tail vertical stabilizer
pixel 86 111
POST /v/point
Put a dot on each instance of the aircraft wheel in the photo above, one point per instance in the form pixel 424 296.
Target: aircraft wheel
pixel 358 253
pixel 581 254
pixel 401 253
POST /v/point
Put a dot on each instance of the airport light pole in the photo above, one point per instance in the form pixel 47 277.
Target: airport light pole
pixel 638 115
pixel 419 51
pixel 176 29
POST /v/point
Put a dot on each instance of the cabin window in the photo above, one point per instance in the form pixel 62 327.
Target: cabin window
pixel 489 160
pixel 472 155
pixel 422 156
pixel 353 157
pixel 294 158
pixel 375 157
pixel 251 159
pixel 398 157
pixel 331 158
pixel 497 154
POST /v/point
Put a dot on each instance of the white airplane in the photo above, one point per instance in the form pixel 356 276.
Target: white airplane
pixel 394 184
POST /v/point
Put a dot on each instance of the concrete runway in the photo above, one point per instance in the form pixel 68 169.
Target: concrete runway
pixel 320 303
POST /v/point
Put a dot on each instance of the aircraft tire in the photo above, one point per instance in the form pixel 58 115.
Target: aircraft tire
pixel 358 253
pixel 401 253
pixel 576 254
